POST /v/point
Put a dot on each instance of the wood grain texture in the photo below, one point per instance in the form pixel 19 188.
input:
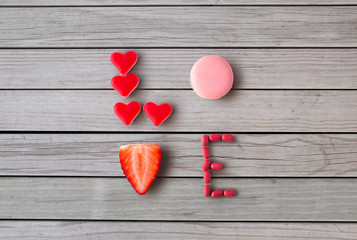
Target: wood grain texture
pixel 170 68
pixel 264 199
pixel 165 2
pixel 179 27
pixel 81 176
pixel 247 111
pixel 75 230
pixel 255 155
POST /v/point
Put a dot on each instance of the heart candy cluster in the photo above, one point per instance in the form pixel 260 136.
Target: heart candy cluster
pixel 128 112
pixel 125 84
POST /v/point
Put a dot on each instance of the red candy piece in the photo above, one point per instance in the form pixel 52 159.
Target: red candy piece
pixel 207 190
pixel 206 164
pixel 124 61
pixel 216 166
pixel 217 193
pixel 125 85
pixel 157 113
pixel 205 153
pixel 229 193
pixel 227 137
pixel 127 112
pixel 204 140
pixel 207 177
pixel 214 137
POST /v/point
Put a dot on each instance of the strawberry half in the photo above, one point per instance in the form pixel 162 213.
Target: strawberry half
pixel 140 164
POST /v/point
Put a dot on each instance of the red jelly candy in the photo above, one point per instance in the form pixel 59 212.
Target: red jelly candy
pixel 216 166
pixel 157 113
pixel 207 190
pixel 217 193
pixel 214 137
pixel 207 177
pixel 127 112
pixel 204 141
pixel 206 164
pixel 205 153
pixel 125 85
pixel 227 137
pixel 124 61
pixel 229 193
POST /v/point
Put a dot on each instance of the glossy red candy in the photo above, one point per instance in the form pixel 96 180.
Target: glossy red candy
pixel 216 166
pixel 207 177
pixel 207 190
pixel 124 61
pixel 204 141
pixel 125 85
pixel 157 113
pixel 227 137
pixel 217 193
pixel 127 112
pixel 205 153
pixel 214 137
pixel 229 193
pixel 206 164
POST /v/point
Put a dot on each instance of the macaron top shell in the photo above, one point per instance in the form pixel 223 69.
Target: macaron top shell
pixel 211 77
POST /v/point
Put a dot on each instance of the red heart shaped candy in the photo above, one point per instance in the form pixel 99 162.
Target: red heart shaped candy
pixel 125 85
pixel 127 112
pixel 157 113
pixel 124 61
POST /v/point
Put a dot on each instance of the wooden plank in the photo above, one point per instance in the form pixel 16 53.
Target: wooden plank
pixel 164 2
pixel 247 111
pixel 178 27
pixel 254 68
pixel 76 230
pixel 255 155
pixel 273 199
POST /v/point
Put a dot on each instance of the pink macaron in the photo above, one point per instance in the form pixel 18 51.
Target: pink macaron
pixel 211 77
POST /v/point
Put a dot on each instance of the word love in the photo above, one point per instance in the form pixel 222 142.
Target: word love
pixel 207 165
pixel 125 84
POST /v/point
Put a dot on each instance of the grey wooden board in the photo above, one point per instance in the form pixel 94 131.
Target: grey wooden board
pixel 165 2
pixel 280 199
pixel 178 197
pixel 170 68
pixel 75 230
pixel 273 111
pixel 178 27
pixel 250 155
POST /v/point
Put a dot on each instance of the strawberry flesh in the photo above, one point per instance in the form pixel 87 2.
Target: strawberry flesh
pixel 140 164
